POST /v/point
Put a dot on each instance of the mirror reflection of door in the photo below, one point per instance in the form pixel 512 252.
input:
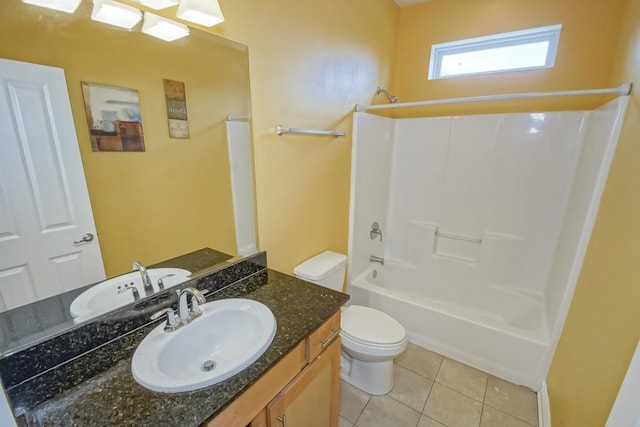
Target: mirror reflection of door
pixel 44 202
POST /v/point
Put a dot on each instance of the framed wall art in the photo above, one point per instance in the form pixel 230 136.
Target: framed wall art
pixel 113 116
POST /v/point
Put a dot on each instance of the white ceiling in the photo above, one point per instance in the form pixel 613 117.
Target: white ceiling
pixel 404 3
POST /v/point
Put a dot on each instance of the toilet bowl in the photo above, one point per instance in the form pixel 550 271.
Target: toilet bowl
pixel 371 339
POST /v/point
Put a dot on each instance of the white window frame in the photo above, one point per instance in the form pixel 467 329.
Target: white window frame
pixel 550 33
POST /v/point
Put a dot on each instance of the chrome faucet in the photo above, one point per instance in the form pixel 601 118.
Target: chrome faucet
pixel 185 313
pixel 378 259
pixel 146 280
pixel 129 287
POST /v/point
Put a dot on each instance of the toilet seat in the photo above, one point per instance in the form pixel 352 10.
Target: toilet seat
pixel 371 328
pixel 349 340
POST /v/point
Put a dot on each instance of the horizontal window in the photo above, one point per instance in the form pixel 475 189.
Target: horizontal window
pixel 517 50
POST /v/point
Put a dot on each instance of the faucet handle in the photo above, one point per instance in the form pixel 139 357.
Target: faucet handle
pixel 129 287
pixel 375 231
pixel 172 320
pixel 161 280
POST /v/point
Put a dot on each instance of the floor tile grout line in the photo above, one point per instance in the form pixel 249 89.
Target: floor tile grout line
pixel 402 403
pixel 362 411
pixel 439 367
pixel 432 419
pixel 460 393
pixel 512 416
pixel 455 391
pixel 411 371
pixel 470 397
pixel 428 396
pixel 418 373
pixel 486 387
pixel 486 374
pixel 479 371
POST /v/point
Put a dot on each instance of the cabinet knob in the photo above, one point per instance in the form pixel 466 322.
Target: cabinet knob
pixel 283 420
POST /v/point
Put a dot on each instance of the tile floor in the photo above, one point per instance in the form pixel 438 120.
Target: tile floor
pixel 433 391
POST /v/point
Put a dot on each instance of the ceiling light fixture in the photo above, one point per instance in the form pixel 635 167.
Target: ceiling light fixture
pixel 68 6
pixel 163 28
pixel 114 13
pixel 203 12
pixel 158 4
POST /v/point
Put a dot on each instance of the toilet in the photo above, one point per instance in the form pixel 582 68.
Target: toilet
pixel 371 339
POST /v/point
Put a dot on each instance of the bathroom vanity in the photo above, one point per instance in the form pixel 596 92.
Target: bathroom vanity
pixel 297 378
pixel 300 390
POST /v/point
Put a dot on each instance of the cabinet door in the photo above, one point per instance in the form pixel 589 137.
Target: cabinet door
pixel 312 398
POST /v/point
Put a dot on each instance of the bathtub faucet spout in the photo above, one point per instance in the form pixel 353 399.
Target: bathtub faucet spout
pixel 378 259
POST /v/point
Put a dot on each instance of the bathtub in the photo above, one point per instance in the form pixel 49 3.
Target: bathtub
pixel 495 329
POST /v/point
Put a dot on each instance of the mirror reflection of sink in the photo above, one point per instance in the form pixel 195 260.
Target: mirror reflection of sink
pixel 229 336
pixel 113 293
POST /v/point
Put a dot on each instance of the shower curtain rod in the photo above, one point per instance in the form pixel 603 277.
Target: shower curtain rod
pixel 622 90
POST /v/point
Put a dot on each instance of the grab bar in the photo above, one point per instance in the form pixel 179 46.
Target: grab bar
pixel 232 118
pixel 457 237
pixel 280 130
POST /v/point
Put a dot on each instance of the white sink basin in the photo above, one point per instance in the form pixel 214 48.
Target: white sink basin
pixel 230 335
pixel 104 296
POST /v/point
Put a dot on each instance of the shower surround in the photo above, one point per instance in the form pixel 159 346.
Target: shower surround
pixel 485 222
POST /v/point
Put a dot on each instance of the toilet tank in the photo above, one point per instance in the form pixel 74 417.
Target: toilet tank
pixel 326 269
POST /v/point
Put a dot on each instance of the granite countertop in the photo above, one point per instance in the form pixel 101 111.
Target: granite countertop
pixel 114 398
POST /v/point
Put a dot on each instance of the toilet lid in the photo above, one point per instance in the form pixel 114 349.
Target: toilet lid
pixel 370 325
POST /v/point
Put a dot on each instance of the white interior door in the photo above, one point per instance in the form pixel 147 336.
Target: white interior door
pixel 44 203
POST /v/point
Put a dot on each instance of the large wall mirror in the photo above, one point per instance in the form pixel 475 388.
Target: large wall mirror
pixel 175 197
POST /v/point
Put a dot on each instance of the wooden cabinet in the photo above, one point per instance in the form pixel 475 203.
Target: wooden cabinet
pixel 300 390
pixel 322 337
pixel 311 399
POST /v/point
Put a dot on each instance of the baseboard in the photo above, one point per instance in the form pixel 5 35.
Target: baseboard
pixel 544 410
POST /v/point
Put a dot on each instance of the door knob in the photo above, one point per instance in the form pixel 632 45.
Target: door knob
pixel 85 238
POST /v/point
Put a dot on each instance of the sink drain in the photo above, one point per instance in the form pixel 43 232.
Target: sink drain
pixel 209 365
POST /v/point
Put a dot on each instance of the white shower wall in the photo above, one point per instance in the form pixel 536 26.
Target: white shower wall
pixel 602 132
pixel 485 219
pixel 370 187
pixel 501 180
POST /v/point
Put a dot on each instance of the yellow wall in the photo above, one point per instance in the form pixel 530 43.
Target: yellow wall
pixel 589 29
pixel 175 197
pixel 311 62
pixel 603 325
